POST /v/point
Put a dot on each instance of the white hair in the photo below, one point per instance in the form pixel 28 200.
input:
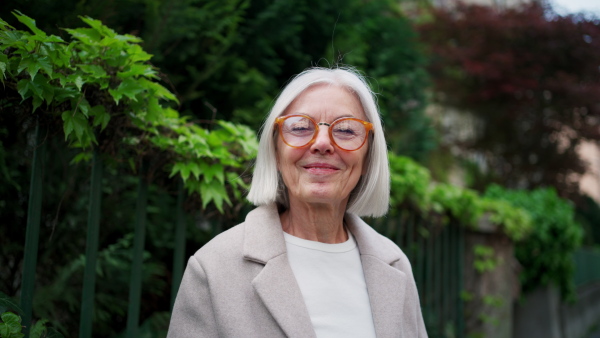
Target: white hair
pixel 371 195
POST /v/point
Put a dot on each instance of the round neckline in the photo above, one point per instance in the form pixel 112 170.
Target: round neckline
pixel 346 246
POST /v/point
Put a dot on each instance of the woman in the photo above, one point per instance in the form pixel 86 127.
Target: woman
pixel 303 264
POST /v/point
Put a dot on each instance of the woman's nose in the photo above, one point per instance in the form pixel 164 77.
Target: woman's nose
pixel 323 143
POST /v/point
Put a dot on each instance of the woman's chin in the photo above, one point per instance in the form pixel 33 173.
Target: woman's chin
pixel 320 196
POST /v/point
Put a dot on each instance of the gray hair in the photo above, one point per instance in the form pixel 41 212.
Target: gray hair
pixel 371 195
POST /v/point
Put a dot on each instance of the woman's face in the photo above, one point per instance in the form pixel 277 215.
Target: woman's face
pixel 321 173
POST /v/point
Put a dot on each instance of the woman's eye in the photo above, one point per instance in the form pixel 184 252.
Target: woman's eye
pixel 346 131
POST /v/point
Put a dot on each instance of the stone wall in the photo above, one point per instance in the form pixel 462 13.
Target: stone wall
pixel 542 313
pixel 490 293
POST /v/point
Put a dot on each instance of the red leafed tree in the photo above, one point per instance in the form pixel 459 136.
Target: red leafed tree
pixel 531 76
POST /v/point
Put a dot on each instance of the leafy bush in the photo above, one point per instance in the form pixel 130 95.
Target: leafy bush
pixel 546 255
pixel 412 187
pixel 103 92
pixel 409 182
pixel 99 92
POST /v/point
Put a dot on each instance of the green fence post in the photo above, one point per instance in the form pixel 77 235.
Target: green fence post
pixel 135 286
pixel 447 276
pixel 34 211
pixel 429 269
pixel 410 238
pixel 400 232
pixel 420 252
pixel 442 274
pixel 91 250
pixel 461 262
pixel 178 257
pixel 454 281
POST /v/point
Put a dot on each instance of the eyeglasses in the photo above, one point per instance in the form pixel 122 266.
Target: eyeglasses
pixel 298 131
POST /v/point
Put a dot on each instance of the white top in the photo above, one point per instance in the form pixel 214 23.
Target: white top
pixel 333 286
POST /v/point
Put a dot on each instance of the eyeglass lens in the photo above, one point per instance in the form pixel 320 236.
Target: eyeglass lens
pixel 348 134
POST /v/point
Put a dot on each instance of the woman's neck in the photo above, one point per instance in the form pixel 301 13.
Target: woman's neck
pixel 321 223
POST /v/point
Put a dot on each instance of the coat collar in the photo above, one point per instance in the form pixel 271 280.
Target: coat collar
pixel 277 287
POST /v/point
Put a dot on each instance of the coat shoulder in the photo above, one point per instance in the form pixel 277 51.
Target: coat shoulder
pixel 225 245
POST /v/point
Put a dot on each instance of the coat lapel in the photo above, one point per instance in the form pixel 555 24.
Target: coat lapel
pixel 275 284
pixel 277 287
pixel 386 285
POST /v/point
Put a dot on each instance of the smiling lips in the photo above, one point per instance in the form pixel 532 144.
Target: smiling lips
pixel 320 168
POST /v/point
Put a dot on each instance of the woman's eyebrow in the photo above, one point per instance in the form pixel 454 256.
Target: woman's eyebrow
pixel 335 119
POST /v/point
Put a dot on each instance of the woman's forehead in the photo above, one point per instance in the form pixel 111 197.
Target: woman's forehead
pixel 324 101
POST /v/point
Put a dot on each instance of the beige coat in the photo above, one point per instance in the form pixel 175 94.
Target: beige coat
pixel 240 284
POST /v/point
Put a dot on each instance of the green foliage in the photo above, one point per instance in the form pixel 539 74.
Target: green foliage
pixel 516 222
pixel 463 204
pixel 113 264
pixel 546 254
pixel 376 37
pixel 10 325
pixel 412 187
pixel 103 80
pixel 7 304
pixel 484 259
pixel 409 182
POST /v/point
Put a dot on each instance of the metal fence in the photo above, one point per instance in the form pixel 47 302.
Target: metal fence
pixel 91 254
pixel 587 266
pixel 436 252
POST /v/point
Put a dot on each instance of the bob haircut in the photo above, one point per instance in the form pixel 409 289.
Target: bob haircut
pixel 371 195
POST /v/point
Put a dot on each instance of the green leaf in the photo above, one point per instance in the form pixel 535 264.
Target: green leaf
pixel 4 25
pixel 194 169
pixel 94 70
pixel 63 94
pixel 88 36
pixel 47 39
pixel 38 329
pixel 138 70
pixel 23 88
pixel 83 156
pixel 211 171
pixel 158 90
pixel 43 63
pixel 52 333
pixel 83 105
pixel 79 82
pixel 155 111
pixel 37 102
pixel 101 117
pixel 46 90
pixel 8 303
pixel 215 192
pixel 74 122
pixel 29 22
pixel 4 330
pixel 182 169
pixel 98 26
pixel 13 322
pixel 136 53
pixel 3 65
pixel 25 63
pixel 13 39
pixel 129 87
